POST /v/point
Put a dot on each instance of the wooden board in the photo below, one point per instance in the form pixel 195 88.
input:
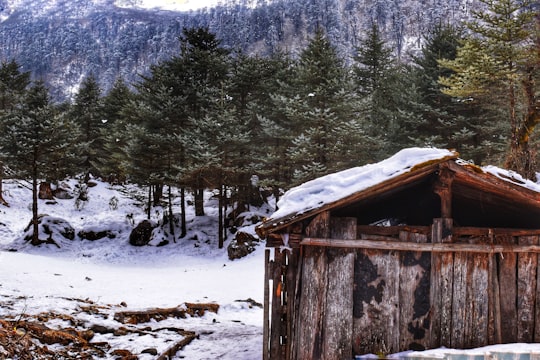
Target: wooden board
pixel 276 312
pixel 536 337
pixel 476 325
pixel 494 303
pixel 526 290
pixel 459 300
pixel 338 321
pixel 311 330
pixel 291 313
pixel 508 292
pixel 414 297
pixel 376 301
pixel 442 277
pixel 266 320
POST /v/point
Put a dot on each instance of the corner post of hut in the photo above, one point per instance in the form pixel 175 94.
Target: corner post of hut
pixel 442 263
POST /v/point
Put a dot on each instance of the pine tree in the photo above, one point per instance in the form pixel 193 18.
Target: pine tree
pixel 271 131
pixel 374 62
pixel 379 81
pixel 36 135
pixel 253 79
pixel 200 71
pixel 153 153
pixel 87 112
pixel 114 131
pixel 13 84
pixel 319 115
pixel 461 125
pixel 498 65
pixel 222 146
pixel 178 93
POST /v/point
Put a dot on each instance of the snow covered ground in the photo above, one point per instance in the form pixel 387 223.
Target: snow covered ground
pixel 110 272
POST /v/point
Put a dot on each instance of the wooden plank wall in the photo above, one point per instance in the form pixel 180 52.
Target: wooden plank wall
pixel 325 321
pixel 339 302
pixel 391 299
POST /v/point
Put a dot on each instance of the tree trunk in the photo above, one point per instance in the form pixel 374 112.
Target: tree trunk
pixel 220 217
pixel 199 202
pixel 35 225
pixel 183 230
pixel 275 190
pixel 2 200
pixel 149 201
pixel 225 207
pixel 521 158
pixel 171 215
pixel 158 193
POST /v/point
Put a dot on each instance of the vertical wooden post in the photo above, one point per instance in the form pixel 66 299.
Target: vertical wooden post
pixel 508 284
pixel 414 297
pixel 443 188
pixel 526 290
pixel 291 287
pixel 266 320
pixel 295 308
pixel 442 277
pixel 476 328
pixel 276 329
pixel 536 337
pixel 494 305
pixel 376 301
pixel 460 303
pixel 338 312
pixel 442 265
pixel 311 331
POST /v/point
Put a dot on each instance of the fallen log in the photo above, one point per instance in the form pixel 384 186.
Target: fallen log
pixel 194 309
pixel 49 336
pixel 159 314
pixel 189 336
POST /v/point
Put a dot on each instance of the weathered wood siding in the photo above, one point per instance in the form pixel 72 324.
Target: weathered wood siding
pixel 335 302
pixel 325 321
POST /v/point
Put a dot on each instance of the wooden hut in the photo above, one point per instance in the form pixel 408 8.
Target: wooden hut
pixel 420 251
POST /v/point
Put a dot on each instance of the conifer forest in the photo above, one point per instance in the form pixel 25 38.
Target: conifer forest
pixel 213 116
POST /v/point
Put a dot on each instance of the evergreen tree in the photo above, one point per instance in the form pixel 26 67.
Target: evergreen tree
pixel 13 84
pixel 322 110
pixel 222 146
pixel 253 79
pixel 87 112
pixel 461 125
pixel 153 120
pixel 36 135
pixel 177 95
pixel 374 63
pixel 270 128
pixel 201 72
pixel 380 80
pixel 498 65
pixel 153 153
pixel 114 132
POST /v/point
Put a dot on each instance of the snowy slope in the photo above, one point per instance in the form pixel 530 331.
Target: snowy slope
pixel 109 272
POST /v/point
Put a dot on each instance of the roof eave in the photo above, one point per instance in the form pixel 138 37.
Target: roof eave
pixel 418 171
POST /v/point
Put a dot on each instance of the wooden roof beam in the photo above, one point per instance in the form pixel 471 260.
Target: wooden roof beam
pixel 443 188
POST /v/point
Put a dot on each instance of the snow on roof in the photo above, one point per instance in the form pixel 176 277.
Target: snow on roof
pixel 333 187
pixel 327 189
pixel 511 176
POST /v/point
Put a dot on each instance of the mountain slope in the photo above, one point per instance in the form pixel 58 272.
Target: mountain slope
pixel 62 41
